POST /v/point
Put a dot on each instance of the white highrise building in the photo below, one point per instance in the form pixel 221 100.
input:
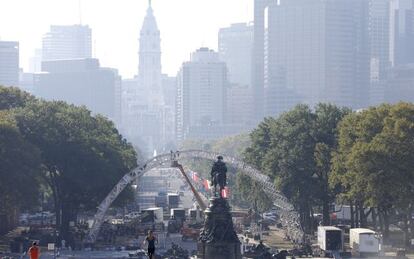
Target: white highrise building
pixel 316 51
pixel 379 38
pixel 201 96
pixel 235 47
pixel 67 42
pixel 402 32
pixel 9 63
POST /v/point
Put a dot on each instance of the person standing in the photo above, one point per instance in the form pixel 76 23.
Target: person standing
pixel 151 239
pixel 34 251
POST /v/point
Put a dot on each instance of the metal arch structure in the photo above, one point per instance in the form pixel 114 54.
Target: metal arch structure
pixel 289 217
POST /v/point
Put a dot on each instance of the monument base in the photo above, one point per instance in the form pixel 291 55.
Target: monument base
pixel 218 240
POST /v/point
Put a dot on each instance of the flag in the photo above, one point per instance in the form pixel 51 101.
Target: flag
pixel 225 193
pixel 206 184
pixel 195 177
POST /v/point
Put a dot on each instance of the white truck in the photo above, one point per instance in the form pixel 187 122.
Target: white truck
pixel 364 241
pixel 330 240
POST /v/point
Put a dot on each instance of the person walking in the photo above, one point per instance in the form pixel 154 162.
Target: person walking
pixel 34 251
pixel 151 239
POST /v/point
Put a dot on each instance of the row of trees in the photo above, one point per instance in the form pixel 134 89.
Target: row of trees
pixel 61 149
pixel 328 154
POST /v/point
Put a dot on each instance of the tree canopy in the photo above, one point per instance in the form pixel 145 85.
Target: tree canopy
pixel 19 167
pixel 80 156
pixel 295 150
pixel 374 164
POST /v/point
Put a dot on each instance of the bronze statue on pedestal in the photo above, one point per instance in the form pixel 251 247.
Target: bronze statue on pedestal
pixel 219 175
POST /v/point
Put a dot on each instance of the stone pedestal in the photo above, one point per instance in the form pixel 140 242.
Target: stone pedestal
pixel 218 240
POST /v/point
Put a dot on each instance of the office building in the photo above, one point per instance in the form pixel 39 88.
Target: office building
pixel 235 47
pixel 35 62
pixel 201 96
pixel 316 51
pixel 26 81
pixel 399 84
pixel 239 110
pixel 67 42
pixel 9 63
pixel 379 36
pixel 80 82
pixel 258 57
pixel 402 32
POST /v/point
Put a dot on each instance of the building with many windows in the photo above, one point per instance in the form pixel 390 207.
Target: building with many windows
pixel 67 42
pixel 379 36
pixel 316 51
pixel 235 48
pixel 258 72
pixel 201 96
pixel 80 82
pixel 402 32
pixel 399 84
pixel 9 63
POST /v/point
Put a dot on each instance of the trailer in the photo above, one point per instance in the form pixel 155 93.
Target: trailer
pixel 153 215
pixel 173 200
pixel 364 241
pixel 178 213
pixel 330 240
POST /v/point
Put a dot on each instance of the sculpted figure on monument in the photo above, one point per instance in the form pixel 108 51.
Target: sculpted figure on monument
pixel 219 175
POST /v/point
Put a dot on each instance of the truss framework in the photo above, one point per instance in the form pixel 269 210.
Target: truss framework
pixel 289 217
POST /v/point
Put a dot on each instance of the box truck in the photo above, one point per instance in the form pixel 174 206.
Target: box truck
pixel 330 240
pixel 364 241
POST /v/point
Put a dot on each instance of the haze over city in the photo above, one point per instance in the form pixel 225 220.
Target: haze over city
pixel 207 129
pixel 185 25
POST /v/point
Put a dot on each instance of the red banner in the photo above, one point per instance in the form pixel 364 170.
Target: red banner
pixel 195 177
pixel 225 193
pixel 206 184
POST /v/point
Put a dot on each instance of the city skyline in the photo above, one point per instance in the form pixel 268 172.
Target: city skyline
pixel 115 40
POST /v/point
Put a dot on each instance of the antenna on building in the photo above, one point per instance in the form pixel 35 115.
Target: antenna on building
pixel 149 3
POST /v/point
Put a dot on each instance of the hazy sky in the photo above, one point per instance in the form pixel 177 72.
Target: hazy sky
pixel 185 25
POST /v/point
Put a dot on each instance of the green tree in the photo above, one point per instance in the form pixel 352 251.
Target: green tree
pixel 374 162
pixel 328 117
pixel 260 143
pixel 12 97
pixel 19 168
pixel 82 156
pixel 295 150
